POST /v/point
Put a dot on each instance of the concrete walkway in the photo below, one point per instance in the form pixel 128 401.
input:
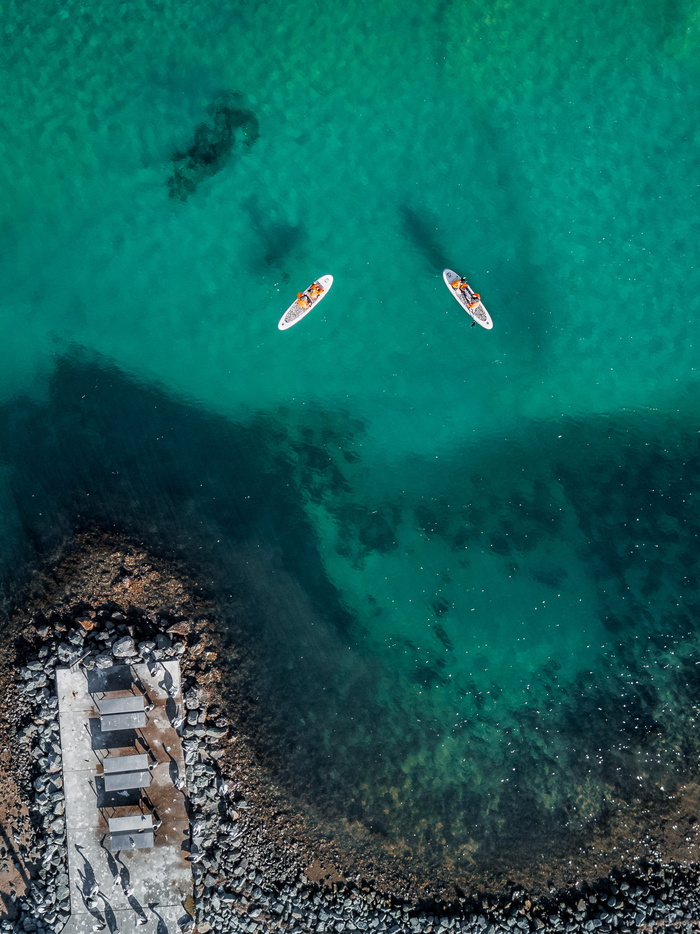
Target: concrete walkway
pixel 131 890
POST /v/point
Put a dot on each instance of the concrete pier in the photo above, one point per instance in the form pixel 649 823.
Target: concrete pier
pixel 140 888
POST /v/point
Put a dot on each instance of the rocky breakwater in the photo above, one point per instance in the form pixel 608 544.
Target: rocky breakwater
pixel 46 903
pixel 253 868
pixel 91 636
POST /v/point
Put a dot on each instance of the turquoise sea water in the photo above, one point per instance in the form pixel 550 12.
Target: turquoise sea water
pixel 468 558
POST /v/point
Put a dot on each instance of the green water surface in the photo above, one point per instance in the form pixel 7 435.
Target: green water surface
pixel 480 541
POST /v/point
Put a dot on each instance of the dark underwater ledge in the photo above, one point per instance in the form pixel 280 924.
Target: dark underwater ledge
pixel 332 724
pixel 285 868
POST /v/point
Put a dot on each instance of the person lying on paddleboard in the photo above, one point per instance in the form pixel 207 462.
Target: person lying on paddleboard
pixel 463 285
pixel 315 290
pixel 303 300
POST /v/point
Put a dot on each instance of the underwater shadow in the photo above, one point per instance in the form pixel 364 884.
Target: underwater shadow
pixel 420 230
pixel 278 238
pixel 531 292
pixel 108 451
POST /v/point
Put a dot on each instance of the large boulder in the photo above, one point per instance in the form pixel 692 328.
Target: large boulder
pixel 124 648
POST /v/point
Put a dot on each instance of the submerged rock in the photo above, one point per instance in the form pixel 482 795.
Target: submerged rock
pixel 212 144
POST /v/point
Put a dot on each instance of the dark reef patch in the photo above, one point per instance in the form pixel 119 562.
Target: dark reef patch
pixel 439 631
pixel 108 451
pixel 213 144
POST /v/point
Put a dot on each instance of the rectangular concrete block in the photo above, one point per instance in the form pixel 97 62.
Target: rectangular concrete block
pixel 131 704
pixel 122 721
pixel 120 781
pixel 129 763
pixel 131 841
pixel 124 824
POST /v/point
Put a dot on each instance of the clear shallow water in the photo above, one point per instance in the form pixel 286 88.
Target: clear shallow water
pixel 469 557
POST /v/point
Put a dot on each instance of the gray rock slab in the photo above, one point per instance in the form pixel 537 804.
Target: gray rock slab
pixel 129 763
pixel 123 824
pixel 130 704
pixel 112 722
pixel 123 781
pixel 137 840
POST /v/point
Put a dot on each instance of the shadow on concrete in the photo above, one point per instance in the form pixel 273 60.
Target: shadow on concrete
pixel 116 678
pixel 171 708
pixel 162 926
pixel 9 899
pixel 87 873
pixel 89 889
pixel 114 739
pixel 110 917
pixel 113 862
pixel 167 683
pixel 173 767
pixel 137 907
pixel 128 797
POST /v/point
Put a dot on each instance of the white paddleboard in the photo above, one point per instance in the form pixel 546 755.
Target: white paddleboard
pixel 464 296
pixel 299 308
